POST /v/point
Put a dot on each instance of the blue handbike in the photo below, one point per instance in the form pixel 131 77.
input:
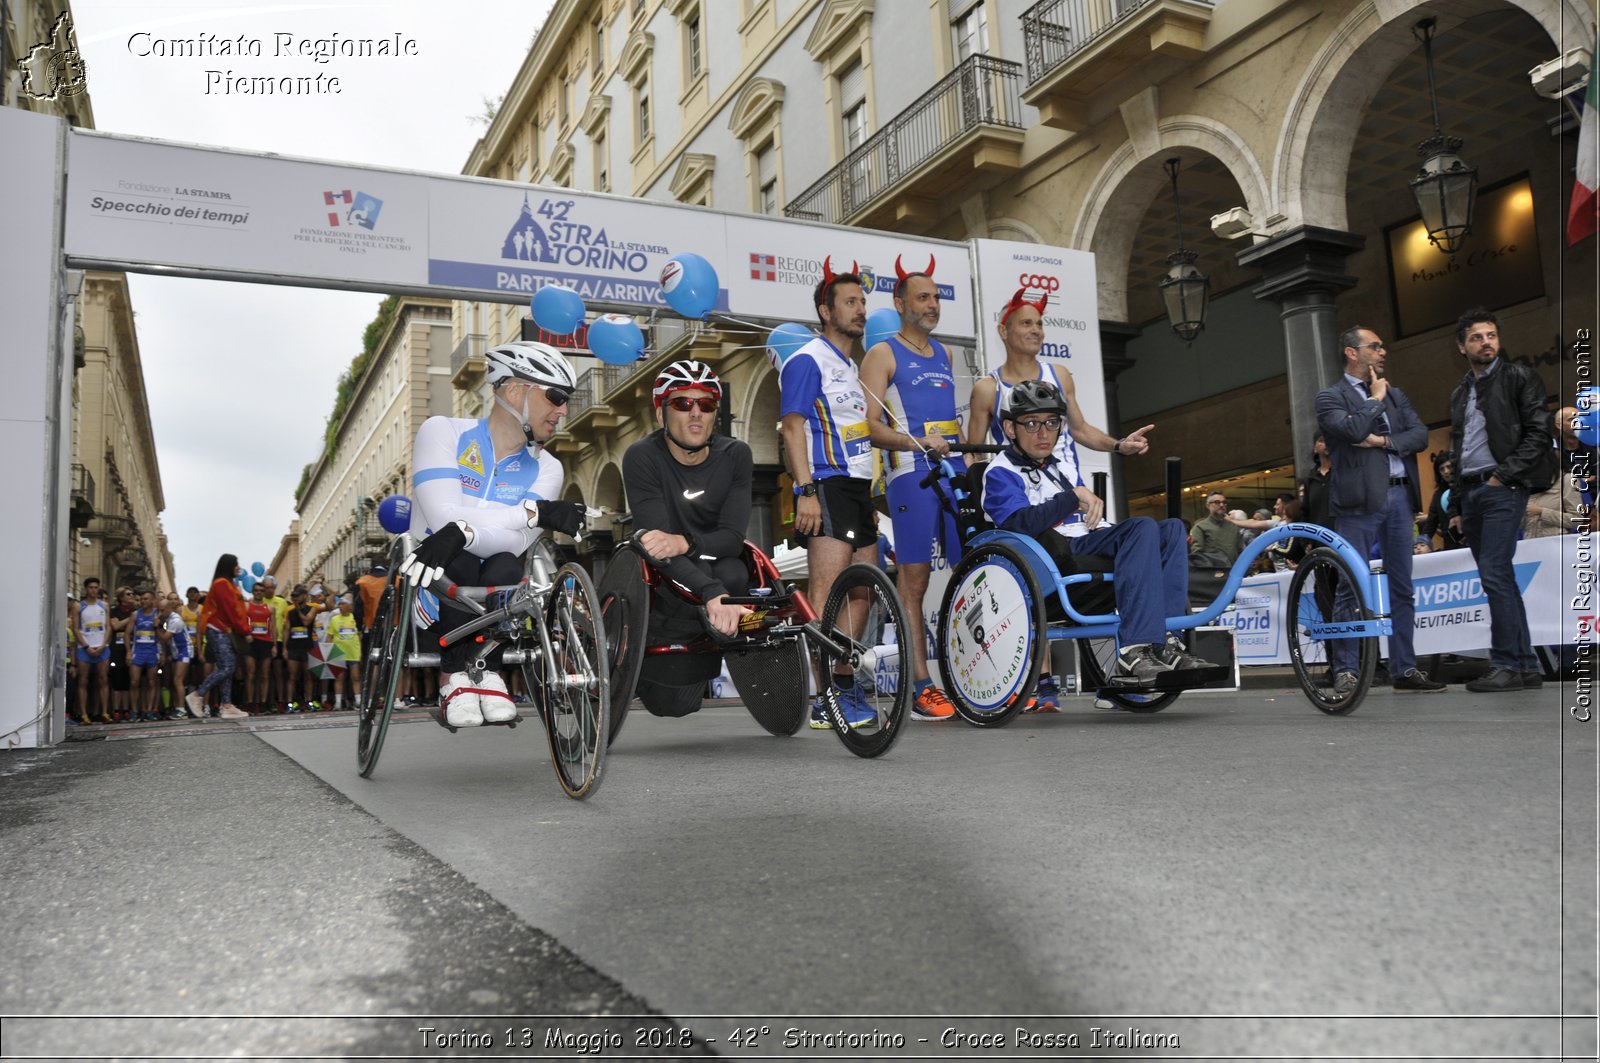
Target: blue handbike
pixel 1007 600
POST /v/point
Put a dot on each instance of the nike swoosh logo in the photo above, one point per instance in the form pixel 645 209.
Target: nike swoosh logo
pixel 692 495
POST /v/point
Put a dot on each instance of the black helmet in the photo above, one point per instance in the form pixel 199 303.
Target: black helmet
pixel 1033 396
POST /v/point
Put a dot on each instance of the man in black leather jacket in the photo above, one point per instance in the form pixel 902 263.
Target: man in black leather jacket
pixel 1500 433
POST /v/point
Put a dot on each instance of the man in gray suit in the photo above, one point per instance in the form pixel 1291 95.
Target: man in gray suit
pixel 1373 436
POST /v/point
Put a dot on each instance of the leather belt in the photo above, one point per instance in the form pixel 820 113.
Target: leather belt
pixel 1396 481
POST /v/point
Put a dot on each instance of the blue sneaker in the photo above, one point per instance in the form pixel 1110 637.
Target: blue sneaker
pixel 857 713
pixel 1046 695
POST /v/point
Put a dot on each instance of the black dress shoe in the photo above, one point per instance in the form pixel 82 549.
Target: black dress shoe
pixel 1416 680
pixel 1496 679
pixel 1532 680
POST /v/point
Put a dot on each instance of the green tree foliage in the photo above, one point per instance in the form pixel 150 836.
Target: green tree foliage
pixel 345 390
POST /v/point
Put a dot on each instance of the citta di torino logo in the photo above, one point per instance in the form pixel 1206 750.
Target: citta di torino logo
pixel 360 209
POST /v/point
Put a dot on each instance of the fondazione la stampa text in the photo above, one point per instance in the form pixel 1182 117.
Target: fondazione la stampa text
pixel 276 46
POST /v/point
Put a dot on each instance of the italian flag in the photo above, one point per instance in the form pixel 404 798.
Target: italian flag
pixel 1584 215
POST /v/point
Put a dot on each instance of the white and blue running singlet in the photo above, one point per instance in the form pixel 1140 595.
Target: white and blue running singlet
pixel 823 386
pixel 1066 451
pixel 459 477
pixel 921 401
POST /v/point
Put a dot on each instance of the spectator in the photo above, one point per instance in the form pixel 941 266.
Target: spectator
pixel 1437 522
pixel 1373 437
pixel 91 631
pixel 346 637
pixel 179 651
pixel 296 640
pixel 223 620
pixel 1568 505
pixel 258 658
pixel 276 669
pixel 122 611
pixel 145 658
pixel 1501 435
pixel 1213 539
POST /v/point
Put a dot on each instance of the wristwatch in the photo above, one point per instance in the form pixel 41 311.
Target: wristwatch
pixel 806 490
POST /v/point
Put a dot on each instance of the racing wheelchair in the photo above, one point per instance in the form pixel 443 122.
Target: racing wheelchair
pixel 770 657
pixel 1007 600
pixel 549 623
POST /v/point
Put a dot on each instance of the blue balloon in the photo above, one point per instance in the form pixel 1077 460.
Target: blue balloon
pixel 881 324
pixel 1444 500
pixel 248 582
pixel 1586 426
pixel 557 310
pixel 689 285
pixel 785 340
pixel 258 570
pixel 394 514
pixel 616 339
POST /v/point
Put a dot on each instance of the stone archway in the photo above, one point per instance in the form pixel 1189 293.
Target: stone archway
pixel 1312 159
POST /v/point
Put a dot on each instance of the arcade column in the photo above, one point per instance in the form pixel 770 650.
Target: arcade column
pixel 1303 272
pixel 1114 339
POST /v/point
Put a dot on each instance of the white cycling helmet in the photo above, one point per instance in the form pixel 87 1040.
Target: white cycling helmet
pixel 538 363
pixel 685 374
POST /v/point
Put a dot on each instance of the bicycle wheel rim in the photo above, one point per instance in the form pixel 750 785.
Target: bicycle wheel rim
pixel 886 692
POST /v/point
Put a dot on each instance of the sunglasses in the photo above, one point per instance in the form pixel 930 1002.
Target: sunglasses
pixel 683 404
pixel 557 396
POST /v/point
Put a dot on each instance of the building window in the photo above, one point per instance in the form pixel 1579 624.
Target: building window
pixel 971 31
pixel 693 63
pixel 853 106
pixel 564 102
pixel 602 164
pixel 642 112
pixel 597 43
pixel 767 179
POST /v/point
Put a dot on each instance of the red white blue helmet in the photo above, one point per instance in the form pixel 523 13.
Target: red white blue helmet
pixel 538 363
pixel 685 374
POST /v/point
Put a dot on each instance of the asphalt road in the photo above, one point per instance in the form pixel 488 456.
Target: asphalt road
pixel 1237 876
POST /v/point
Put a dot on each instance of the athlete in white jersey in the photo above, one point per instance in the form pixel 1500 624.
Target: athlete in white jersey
pixel 481 492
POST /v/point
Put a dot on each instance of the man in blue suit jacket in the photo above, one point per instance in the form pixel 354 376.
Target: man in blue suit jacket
pixel 1373 436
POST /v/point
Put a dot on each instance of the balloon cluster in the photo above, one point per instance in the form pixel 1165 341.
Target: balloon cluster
pixel 688 283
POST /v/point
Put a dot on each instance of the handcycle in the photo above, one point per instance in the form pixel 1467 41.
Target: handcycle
pixel 770 657
pixel 1008 599
pixel 549 623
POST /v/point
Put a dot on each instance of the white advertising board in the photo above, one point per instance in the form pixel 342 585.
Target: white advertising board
pixel 1556 575
pixel 204 209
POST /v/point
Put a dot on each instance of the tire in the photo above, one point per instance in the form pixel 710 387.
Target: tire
pixel 991 695
pixel 385 657
pixel 1330 581
pixel 575 705
pixel 625 606
pixel 1096 659
pixel 866 584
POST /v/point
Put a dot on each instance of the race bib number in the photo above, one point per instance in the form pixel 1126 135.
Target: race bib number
pixel 258 629
pixel 857 448
pixel 948 429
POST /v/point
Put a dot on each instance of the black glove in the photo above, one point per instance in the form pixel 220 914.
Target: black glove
pixel 425 564
pixel 564 517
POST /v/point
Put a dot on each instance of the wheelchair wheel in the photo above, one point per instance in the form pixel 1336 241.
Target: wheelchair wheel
pixel 1096 659
pixel 386 646
pixel 574 701
pixel 873 601
pixel 1323 590
pixel 625 607
pixel 772 684
pixel 991 636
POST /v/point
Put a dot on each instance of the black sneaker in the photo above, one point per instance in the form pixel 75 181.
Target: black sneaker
pixel 1345 684
pixel 1495 680
pixel 1139 666
pixel 1532 680
pixel 1417 680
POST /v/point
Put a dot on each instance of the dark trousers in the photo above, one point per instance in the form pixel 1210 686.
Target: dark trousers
pixel 1393 531
pixel 1491 517
pixel 468 570
pixel 1139 548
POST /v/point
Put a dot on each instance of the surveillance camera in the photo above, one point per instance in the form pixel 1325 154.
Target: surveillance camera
pixel 1562 74
pixel 1232 223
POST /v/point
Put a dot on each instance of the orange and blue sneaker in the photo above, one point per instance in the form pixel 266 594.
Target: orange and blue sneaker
pixel 932 704
pixel 1046 696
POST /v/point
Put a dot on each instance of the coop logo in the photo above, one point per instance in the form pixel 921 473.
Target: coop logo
pixel 549 236
pixel 1040 282
pixel 358 209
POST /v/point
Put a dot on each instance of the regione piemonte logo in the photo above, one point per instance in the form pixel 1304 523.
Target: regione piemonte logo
pixel 359 208
pixel 763 267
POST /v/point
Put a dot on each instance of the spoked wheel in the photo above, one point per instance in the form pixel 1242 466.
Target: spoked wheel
pixel 864 601
pixel 1097 658
pixel 1323 595
pixel 625 607
pixel 386 646
pixel 573 692
pixel 991 635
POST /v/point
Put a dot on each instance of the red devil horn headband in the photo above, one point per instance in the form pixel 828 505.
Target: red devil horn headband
pixel 900 270
pixel 827 269
pixel 1018 302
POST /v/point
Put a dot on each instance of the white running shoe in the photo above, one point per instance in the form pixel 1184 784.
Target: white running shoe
pixel 462 705
pixel 196 706
pixel 231 711
pixel 497 704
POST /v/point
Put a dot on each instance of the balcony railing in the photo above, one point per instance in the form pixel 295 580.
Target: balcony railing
pixel 83 487
pixel 582 395
pixel 1053 30
pixel 981 91
pixel 471 347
